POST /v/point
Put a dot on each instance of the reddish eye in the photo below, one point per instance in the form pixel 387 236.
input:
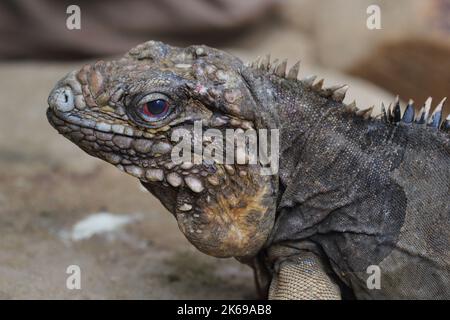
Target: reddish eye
pixel 154 109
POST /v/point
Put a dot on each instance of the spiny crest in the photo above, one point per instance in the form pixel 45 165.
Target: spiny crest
pixel 337 93
pixel 392 114
pixel 395 115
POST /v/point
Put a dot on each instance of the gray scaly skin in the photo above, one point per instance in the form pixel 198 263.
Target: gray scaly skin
pixel 351 191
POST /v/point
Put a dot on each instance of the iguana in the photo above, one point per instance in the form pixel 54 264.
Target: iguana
pixel 355 196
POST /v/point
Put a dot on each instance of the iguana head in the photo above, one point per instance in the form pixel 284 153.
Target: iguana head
pixel 127 112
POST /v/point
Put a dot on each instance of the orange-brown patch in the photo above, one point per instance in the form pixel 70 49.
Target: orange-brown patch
pixel 241 219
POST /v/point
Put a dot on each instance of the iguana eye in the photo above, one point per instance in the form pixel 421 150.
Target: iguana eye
pixel 153 107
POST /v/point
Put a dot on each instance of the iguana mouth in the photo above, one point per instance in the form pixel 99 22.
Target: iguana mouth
pixel 58 120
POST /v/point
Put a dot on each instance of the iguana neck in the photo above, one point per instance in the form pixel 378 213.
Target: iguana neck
pixel 296 110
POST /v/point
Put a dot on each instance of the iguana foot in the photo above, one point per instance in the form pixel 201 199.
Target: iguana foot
pixel 302 277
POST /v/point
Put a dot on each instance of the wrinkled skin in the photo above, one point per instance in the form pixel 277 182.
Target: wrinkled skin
pixel 224 210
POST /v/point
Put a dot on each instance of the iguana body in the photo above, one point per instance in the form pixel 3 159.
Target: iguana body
pixel 351 192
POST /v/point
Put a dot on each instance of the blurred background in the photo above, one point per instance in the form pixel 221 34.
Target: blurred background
pixel 60 207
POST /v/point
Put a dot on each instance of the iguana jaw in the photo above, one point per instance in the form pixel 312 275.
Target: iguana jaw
pixel 225 211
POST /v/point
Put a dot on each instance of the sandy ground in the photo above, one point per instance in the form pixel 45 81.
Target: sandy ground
pixel 48 185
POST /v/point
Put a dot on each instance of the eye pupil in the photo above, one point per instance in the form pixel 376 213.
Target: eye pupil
pixel 156 107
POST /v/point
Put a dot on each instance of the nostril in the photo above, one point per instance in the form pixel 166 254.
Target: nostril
pixel 61 99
